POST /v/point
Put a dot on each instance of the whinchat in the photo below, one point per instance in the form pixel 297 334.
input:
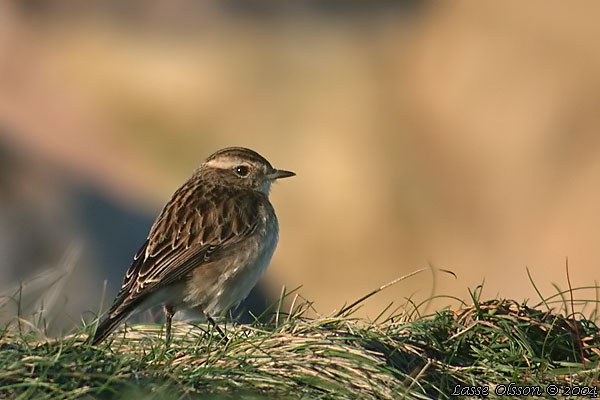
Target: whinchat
pixel 209 245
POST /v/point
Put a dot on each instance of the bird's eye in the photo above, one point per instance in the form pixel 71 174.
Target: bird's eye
pixel 242 171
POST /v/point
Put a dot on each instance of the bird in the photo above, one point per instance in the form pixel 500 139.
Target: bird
pixel 209 245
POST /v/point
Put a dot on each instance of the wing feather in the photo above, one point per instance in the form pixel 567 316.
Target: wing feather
pixel 184 238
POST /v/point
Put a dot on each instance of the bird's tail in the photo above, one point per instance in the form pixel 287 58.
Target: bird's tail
pixel 107 326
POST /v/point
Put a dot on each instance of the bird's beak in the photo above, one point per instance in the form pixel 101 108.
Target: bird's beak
pixel 280 173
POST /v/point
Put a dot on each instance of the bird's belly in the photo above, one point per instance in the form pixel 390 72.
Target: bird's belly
pixel 223 284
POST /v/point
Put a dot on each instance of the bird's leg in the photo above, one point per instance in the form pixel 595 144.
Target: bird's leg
pixel 214 324
pixel 168 318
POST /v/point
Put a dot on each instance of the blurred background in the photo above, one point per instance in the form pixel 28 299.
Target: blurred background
pixel 464 135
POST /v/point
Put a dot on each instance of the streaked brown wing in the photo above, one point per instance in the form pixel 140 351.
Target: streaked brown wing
pixel 190 231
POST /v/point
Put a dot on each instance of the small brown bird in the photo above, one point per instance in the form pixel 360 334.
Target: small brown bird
pixel 209 245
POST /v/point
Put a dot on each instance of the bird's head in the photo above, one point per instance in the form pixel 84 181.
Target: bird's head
pixel 243 168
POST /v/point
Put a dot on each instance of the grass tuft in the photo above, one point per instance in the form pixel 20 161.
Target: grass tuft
pixel 293 356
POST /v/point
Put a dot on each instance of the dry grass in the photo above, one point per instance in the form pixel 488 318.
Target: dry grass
pixel 293 356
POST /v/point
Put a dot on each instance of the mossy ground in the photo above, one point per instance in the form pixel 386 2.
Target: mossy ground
pixel 292 356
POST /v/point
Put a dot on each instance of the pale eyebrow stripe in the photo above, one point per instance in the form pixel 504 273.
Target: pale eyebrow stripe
pixel 225 164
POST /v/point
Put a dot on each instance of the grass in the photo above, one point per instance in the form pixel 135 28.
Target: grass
pixel 399 355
